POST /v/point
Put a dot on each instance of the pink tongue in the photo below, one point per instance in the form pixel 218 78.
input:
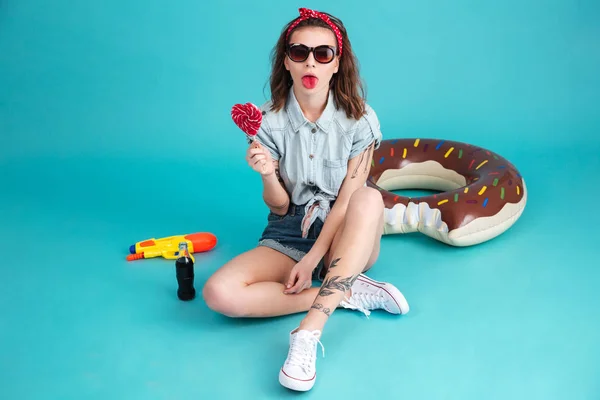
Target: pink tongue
pixel 309 81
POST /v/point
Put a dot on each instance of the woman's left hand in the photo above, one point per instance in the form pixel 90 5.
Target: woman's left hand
pixel 301 276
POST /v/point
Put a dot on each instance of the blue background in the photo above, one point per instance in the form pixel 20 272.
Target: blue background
pixel 115 127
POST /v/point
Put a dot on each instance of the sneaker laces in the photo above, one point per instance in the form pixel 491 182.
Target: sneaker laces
pixel 364 302
pixel 302 351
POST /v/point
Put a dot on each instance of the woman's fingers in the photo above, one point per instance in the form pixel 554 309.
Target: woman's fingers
pixel 256 157
pixel 254 152
pixel 301 284
pixel 291 281
pixel 260 160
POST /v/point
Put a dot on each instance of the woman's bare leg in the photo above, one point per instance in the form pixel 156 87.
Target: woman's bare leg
pixel 374 252
pixel 252 285
pixel 354 250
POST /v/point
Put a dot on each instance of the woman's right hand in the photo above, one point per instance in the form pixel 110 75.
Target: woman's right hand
pixel 259 159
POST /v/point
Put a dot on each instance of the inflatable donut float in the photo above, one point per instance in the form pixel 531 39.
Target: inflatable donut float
pixel 482 194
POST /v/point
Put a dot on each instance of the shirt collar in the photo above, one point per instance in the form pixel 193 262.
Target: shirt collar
pixel 297 117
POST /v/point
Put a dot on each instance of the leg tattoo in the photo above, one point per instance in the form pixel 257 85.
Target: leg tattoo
pixel 336 283
pixel 332 285
pixel 319 306
pixel 334 263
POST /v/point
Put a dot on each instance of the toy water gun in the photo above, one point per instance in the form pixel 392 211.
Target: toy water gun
pixel 168 247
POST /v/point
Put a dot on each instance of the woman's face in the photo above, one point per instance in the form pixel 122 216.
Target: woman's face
pixel 310 76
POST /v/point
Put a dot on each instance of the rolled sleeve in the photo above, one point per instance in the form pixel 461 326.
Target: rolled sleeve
pixel 265 137
pixel 367 132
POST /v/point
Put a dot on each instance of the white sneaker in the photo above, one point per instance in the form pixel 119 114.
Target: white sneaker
pixel 299 370
pixel 368 294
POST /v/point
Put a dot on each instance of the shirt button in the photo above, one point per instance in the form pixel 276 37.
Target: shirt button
pixel 313 130
pixel 311 156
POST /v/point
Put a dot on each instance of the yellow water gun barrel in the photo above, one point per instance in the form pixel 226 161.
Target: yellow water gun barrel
pixel 168 247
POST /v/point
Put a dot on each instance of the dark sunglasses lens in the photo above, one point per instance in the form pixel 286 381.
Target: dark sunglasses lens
pixel 298 53
pixel 323 54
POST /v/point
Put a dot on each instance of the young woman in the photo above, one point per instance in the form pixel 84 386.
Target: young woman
pixel 314 155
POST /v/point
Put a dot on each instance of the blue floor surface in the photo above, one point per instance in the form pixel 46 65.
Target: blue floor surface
pixel 115 128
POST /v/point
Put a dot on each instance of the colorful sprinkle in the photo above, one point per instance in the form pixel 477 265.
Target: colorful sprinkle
pixel 495 157
pixel 455 197
pixel 501 167
pixel 392 152
pixel 404 153
pixel 480 165
pixel 381 160
pixel 396 198
pixel 485 202
pixel 471 164
pixel 495 182
pixel 442 202
pixel 394 141
pixel 482 191
pixel 502 193
pixel 460 153
pixel 372 163
pixel 466 190
pixel 518 190
pixel 494 173
pixel 488 153
pixel 439 145
pixel 417 142
pixel 448 152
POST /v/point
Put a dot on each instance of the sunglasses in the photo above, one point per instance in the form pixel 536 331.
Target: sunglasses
pixel 323 54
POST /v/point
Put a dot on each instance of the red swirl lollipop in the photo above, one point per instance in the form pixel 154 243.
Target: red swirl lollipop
pixel 248 118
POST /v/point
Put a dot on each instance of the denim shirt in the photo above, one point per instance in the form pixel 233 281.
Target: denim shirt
pixel 313 157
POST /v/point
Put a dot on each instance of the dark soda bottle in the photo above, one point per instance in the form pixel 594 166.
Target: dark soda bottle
pixel 184 268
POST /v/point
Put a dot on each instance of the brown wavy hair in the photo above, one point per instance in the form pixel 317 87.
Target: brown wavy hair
pixel 348 89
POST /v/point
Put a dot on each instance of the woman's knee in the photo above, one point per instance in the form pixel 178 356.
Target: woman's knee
pixel 366 201
pixel 221 297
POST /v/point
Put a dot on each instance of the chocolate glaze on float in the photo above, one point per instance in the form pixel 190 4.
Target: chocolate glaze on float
pixel 483 194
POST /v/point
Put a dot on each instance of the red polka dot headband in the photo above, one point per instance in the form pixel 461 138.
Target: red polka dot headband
pixel 306 13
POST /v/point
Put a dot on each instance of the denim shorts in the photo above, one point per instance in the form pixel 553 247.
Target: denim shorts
pixel 284 234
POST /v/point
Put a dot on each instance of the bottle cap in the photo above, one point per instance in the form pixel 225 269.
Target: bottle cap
pixel 183 249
